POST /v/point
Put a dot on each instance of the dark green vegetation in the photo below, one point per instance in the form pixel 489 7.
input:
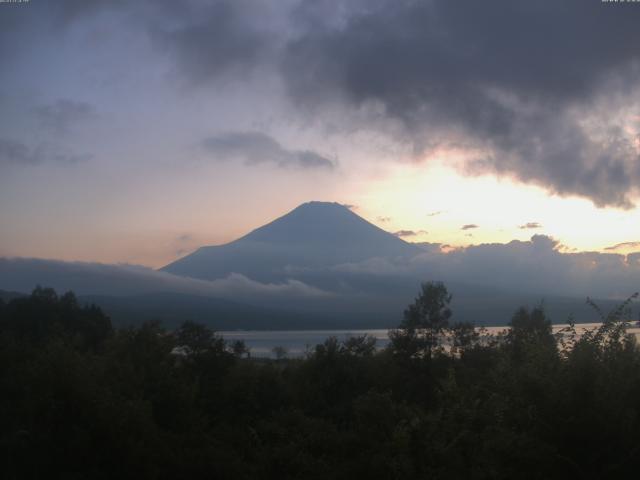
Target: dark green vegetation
pixel 80 399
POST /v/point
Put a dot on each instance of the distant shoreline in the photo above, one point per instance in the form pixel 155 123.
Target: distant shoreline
pixel 296 342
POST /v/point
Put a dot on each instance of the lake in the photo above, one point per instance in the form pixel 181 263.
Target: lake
pixel 297 342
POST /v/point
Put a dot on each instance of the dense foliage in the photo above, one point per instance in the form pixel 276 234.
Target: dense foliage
pixel 80 399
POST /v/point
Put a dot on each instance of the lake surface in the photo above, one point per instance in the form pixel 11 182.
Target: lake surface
pixel 298 342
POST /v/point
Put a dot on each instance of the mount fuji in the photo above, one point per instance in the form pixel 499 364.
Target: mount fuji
pixel 313 235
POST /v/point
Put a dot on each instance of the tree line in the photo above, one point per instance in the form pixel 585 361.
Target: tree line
pixel 81 399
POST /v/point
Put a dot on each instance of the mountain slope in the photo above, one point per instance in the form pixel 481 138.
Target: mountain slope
pixel 315 234
pixel 7 296
pixel 174 308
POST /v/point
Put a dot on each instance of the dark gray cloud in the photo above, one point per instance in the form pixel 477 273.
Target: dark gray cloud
pixel 255 148
pixel 13 152
pixel 468 44
pixel 61 115
pixel 404 233
pixel 475 75
pixel 66 11
pixel 53 120
pixel 469 226
pixel 209 40
pixel 507 78
pixel 530 225
pixel 409 233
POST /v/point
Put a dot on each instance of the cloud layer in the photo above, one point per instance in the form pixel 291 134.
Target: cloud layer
pixel 409 233
pixel 255 148
pixel 14 152
pixel 484 274
pixel 85 278
pixel 61 115
pixel 477 77
pixel 538 266
pixel 541 92
pixel 482 76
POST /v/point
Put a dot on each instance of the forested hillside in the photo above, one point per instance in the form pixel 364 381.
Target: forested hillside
pixel 81 399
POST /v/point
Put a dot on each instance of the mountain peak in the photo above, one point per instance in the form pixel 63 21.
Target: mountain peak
pixel 320 204
pixel 316 207
pixel 314 222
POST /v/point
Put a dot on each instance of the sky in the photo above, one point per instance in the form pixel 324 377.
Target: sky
pixel 135 132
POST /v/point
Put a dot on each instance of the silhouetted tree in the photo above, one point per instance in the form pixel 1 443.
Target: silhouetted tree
pixel 198 339
pixel 43 315
pixel 530 329
pixel 280 352
pixel 361 346
pixel 424 322
pixel 240 349
pixel 463 336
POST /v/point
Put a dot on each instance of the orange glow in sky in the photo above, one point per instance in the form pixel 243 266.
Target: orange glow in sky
pixel 438 200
